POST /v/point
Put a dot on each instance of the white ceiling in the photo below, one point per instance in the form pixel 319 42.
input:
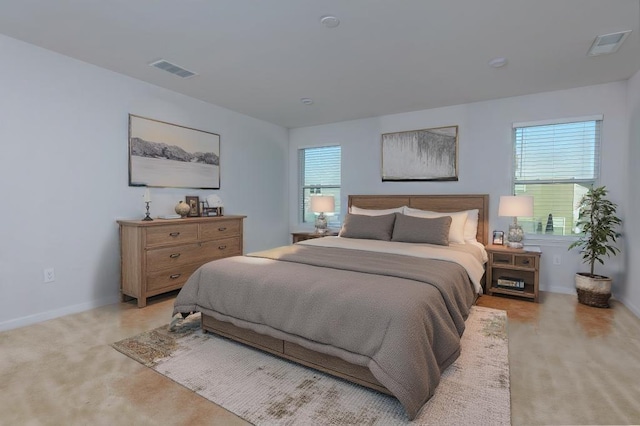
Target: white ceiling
pixel 259 57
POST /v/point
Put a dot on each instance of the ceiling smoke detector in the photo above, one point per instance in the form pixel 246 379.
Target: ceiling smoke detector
pixel 498 62
pixel 607 43
pixel 330 21
pixel 172 68
pixel 306 101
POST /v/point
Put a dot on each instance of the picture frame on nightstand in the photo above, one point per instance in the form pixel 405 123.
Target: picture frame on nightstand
pixel 498 238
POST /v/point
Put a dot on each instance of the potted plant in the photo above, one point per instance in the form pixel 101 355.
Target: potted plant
pixel 598 221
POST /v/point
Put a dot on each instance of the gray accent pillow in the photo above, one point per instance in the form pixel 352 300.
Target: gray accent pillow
pixel 410 229
pixel 368 227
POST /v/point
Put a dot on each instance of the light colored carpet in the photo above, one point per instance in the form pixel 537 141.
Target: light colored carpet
pixel 266 390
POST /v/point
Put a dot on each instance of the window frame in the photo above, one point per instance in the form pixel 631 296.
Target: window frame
pixel 581 181
pixel 333 219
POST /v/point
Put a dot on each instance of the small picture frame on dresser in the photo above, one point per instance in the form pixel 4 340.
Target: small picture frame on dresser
pixel 498 238
pixel 194 204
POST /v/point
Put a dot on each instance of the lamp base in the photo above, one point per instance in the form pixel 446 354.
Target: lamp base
pixel 515 236
pixel 321 224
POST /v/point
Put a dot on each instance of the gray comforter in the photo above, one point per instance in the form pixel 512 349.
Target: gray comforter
pixel 400 316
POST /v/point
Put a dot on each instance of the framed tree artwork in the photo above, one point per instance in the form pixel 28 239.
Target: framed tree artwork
pixel 421 155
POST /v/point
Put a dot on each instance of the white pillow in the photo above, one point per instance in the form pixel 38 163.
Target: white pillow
pixel 471 227
pixel 458 221
pixel 374 212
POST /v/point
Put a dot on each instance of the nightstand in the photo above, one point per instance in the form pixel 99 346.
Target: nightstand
pixel 514 272
pixel 301 236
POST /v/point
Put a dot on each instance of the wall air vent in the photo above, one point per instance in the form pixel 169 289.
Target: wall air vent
pixel 607 43
pixel 172 68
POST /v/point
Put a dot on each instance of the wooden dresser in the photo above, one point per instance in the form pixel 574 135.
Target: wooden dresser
pixel 158 256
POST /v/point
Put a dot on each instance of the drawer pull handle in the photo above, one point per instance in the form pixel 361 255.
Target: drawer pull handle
pixel 222 228
pixel 174 255
pixel 222 247
pixel 525 262
pixel 174 234
pixel 174 276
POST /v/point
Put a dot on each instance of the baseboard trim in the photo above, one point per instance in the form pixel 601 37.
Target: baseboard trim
pixel 633 308
pixel 56 313
pixel 564 290
pixel 558 289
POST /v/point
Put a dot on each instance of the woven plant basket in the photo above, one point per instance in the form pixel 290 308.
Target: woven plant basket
pixel 593 291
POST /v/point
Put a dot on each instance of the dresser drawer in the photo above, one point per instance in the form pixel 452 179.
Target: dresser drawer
pixel 222 248
pixel 172 257
pixel 220 229
pixel 162 281
pixel 172 234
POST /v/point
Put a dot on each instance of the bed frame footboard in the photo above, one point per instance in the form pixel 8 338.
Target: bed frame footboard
pixel 296 353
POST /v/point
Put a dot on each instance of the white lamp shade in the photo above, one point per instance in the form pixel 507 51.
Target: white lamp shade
pixel 516 205
pixel 322 204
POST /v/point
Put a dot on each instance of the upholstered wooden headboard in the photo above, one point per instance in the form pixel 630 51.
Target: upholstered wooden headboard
pixel 437 203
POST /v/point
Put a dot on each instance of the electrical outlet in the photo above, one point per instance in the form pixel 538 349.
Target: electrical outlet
pixel 49 275
pixel 557 260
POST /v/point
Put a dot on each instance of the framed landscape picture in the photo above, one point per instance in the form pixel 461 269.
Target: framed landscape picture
pixel 421 155
pixel 169 155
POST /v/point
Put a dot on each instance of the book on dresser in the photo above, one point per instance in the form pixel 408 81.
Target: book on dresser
pixel 159 256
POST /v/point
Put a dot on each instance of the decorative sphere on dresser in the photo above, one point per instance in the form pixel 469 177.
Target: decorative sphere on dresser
pixel 183 209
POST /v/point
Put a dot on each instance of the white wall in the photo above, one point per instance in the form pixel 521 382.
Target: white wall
pixel 485 149
pixel 631 291
pixel 63 168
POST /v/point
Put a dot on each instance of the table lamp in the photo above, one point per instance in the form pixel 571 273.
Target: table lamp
pixel 322 204
pixel 515 205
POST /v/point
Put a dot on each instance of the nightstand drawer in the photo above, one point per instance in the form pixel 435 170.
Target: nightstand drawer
pixel 524 261
pixel 502 259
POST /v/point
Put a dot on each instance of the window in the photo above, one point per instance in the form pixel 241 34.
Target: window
pixel 319 174
pixel 556 163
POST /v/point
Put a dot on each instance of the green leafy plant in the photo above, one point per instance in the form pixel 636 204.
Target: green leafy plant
pixel 597 219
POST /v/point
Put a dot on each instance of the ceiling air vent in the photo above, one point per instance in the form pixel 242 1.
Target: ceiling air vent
pixel 607 43
pixel 172 68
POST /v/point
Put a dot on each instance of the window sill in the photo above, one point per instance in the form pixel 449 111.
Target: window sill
pixel 550 240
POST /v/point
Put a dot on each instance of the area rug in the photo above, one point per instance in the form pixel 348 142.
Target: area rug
pixel 266 390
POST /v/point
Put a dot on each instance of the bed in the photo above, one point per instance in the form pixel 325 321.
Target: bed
pixel 387 315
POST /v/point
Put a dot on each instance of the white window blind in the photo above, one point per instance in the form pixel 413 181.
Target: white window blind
pixel 556 164
pixel 320 173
